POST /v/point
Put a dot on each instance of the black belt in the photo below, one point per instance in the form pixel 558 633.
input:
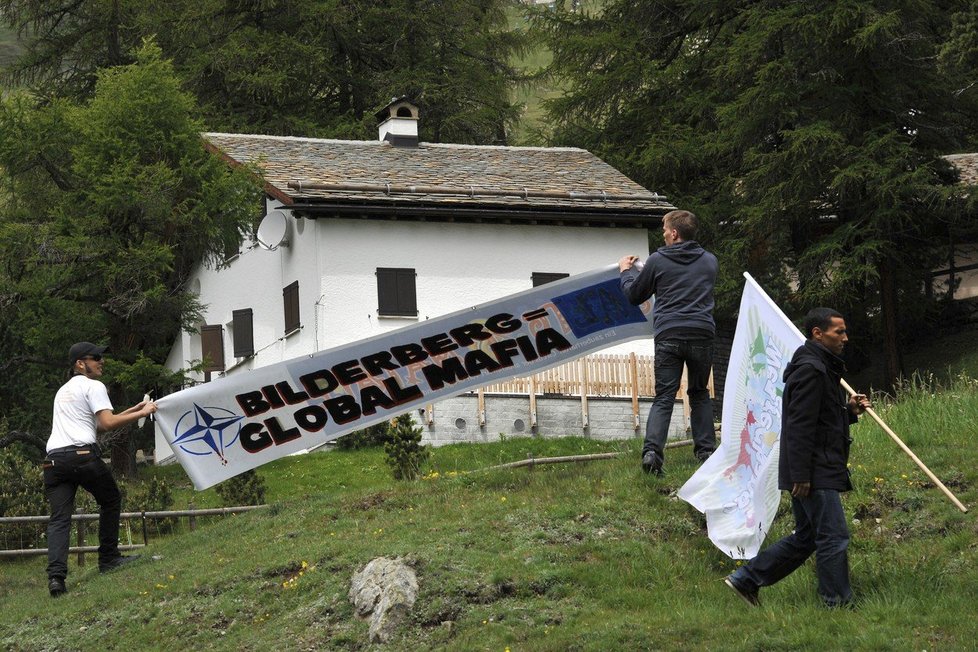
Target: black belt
pixel 78 450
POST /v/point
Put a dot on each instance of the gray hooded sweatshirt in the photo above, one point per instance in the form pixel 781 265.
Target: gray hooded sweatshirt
pixel 681 276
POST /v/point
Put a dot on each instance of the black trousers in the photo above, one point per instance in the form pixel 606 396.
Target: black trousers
pixel 64 472
pixel 670 357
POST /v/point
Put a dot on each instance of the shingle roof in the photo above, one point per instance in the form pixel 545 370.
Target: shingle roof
pixel 967 165
pixel 469 168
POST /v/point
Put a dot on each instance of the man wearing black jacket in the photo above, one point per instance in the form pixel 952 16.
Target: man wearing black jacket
pixel 813 466
pixel 681 275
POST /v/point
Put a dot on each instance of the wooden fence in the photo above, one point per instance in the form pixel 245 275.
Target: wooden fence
pixel 603 375
pixel 126 517
pixel 594 375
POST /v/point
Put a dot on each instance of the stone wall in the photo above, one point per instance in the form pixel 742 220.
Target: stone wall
pixel 456 420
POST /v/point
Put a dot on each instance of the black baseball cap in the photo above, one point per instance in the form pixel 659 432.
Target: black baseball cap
pixel 82 349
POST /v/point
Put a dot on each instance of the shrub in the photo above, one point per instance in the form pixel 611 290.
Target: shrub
pixel 153 495
pixel 405 454
pixel 21 494
pixel 246 488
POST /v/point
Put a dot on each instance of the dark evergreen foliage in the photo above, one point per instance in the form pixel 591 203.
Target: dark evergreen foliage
pixel 105 207
pixel 375 435
pixel 809 136
pixel 291 67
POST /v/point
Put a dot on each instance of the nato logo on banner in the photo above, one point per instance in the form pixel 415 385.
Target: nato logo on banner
pixel 207 431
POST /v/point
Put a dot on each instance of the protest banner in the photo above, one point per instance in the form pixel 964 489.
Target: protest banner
pixel 737 487
pixel 225 427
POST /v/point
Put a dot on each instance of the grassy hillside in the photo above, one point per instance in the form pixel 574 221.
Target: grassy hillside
pixel 533 127
pixel 584 557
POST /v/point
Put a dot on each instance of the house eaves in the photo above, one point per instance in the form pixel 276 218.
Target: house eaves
pixel 478 213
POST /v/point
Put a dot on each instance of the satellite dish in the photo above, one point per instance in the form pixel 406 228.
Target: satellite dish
pixel 273 230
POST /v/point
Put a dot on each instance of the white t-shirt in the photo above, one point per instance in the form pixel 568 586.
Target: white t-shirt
pixel 75 407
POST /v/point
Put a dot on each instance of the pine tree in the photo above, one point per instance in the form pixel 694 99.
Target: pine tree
pixel 292 67
pixel 106 206
pixel 405 454
pixel 808 135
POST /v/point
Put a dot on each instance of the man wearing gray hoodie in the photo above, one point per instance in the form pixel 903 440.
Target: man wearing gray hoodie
pixel 681 276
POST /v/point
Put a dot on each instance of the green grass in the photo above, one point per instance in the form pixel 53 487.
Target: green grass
pixel 572 557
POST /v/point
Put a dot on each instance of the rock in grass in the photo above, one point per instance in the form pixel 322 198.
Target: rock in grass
pixel 384 591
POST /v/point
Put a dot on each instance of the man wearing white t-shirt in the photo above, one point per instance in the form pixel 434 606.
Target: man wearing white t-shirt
pixel 81 409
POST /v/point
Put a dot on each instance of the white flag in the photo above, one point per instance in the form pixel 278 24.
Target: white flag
pixel 233 424
pixel 737 488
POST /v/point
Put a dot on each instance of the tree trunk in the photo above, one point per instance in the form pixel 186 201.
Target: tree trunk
pixel 122 451
pixel 123 458
pixel 892 363
pixel 113 39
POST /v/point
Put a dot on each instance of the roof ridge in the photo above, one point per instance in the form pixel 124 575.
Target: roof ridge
pixel 378 143
pixel 291 138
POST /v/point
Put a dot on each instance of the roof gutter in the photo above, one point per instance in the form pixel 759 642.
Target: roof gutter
pixel 504 214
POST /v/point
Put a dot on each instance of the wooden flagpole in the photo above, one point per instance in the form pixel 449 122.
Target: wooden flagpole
pixel 906 449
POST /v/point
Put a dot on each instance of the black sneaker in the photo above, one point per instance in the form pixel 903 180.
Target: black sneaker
pixel 118 562
pixel 652 463
pixel 56 587
pixel 750 597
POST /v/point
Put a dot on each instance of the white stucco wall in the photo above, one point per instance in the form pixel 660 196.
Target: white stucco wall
pixel 335 260
pixel 457 265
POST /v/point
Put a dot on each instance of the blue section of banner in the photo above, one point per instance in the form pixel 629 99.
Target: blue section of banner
pixel 597 308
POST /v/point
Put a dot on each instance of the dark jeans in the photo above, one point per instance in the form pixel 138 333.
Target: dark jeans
pixel 63 474
pixel 670 356
pixel 820 527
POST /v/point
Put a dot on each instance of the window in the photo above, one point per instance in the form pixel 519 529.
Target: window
pixel 212 347
pixel 396 292
pixel 242 332
pixel 542 278
pixel 290 299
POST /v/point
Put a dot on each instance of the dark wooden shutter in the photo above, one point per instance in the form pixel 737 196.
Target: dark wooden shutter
pixel 242 326
pixel 397 292
pixel 212 347
pixel 232 250
pixel 542 278
pixel 290 296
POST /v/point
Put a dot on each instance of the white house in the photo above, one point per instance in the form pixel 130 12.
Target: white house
pixel 362 237
pixel 961 273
